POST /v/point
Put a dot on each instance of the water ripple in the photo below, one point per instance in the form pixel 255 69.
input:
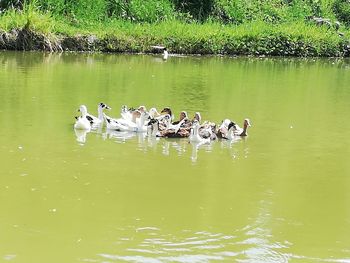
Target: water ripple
pixel 201 247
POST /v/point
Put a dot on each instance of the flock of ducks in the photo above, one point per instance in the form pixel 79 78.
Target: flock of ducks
pixel 162 124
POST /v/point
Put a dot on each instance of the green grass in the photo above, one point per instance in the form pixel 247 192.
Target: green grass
pixel 256 37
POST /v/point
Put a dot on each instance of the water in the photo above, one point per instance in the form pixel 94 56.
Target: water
pixel 280 195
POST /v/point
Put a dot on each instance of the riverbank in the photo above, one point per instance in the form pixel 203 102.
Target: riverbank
pixel 44 32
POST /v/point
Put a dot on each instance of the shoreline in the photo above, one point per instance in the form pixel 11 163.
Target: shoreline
pixel 264 45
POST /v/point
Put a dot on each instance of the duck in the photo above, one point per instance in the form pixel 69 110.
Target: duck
pixel 167 110
pixel 126 113
pixel 165 51
pixel 153 113
pixel 124 125
pixel 94 121
pixel 175 131
pixel 223 128
pixel 197 116
pixel 194 134
pixel 208 130
pixel 82 123
pixel 165 54
pixel 153 128
pixel 238 131
pixel 132 114
pixel 229 134
pixel 175 126
pixel 183 117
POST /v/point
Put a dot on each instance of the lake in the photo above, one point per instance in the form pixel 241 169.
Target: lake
pixel 282 194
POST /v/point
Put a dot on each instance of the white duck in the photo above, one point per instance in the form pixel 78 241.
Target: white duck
pixel 97 120
pixel 132 114
pixel 194 134
pixel 153 113
pixel 165 51
pixel 82 123
pixel 165 54
pixel 123 125
pixel 125 113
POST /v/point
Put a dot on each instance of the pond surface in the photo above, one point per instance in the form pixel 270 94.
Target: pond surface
pixel 280 195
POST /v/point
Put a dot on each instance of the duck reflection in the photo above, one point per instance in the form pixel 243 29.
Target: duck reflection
pixel 81 135
pixel 121 136
pixel 167 146
pixel 196 146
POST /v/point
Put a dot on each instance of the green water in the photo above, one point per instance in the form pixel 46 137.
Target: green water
pixel 280 195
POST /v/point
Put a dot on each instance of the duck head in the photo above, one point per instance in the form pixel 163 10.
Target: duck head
pixel 246 123
pixel 142 108
pixel 104 106
pixel 153 113
pixel 197 116
pixel 83 110
pixel 124 108
pixel 167 110
pixel 183 115
pixel 145 115
pixel 152 121
pixel 195 123
pixel 232 125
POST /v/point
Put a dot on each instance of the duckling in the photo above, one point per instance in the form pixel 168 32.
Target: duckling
pixel 82 123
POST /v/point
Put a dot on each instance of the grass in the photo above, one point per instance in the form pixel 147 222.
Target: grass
pixel 257 37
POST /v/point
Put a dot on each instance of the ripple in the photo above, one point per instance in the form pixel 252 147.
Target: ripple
pixel 131 258
pixel 203 246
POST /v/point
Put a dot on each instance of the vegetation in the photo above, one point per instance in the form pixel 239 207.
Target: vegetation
pixel 260 27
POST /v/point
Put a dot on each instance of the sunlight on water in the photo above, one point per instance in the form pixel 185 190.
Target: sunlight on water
pixel 279 195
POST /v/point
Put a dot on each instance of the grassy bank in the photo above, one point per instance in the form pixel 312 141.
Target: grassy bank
pixel 254 37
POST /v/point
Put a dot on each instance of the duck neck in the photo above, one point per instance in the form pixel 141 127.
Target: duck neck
pixel 195 130
pixel 155 129
pixel 100 113
pixel 230 134
pixel 245 128
pixel 83 113
pixel 142 120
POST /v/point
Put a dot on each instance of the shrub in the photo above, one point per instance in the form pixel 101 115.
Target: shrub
pixel 341 9
pixel 141 11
